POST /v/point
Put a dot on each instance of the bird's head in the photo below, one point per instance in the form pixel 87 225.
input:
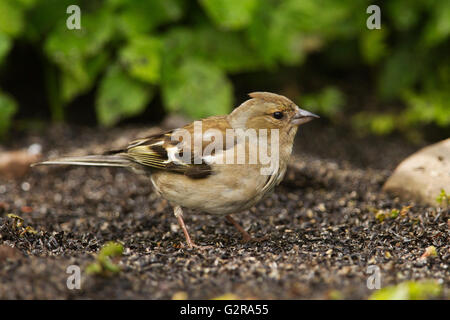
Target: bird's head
pixel 269 111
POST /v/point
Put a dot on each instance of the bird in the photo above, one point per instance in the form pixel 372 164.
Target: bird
pixel 225 180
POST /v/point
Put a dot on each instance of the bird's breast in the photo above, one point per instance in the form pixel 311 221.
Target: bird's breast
pixel 230 189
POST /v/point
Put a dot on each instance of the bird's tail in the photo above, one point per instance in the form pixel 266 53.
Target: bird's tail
pixel 100 160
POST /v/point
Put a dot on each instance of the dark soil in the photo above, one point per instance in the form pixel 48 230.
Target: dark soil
pixel 321 224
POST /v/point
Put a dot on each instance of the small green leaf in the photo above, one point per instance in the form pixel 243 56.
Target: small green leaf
pixel 140 17
pixel 198 89
pixel 111 249
pixel 79 54
pixel 11 17
pixel 230 14
pixel 103 266
pixel 82 76
pixel 142 58
pixel 44 16
pixel 74 81
pixel 430 252
pixel 274 37
pixel 380 215
pixel 64 46
pixel 443 198
pixel 94 268
pixel 395 213
pixel 227 50
pixel 120 96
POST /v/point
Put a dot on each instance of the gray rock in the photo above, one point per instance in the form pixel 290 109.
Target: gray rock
pixel 423 175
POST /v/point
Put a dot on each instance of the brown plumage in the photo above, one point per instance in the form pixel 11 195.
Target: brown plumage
pixel 182 173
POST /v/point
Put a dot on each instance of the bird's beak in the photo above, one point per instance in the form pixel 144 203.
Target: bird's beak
pixel 303 116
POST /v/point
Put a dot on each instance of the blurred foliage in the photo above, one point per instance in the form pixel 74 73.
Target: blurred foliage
pixel 328 102
pixel 127 51
pixel 7 109
pixel 409 290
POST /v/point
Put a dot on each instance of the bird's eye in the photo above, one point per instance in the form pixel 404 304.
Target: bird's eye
pixel 278 115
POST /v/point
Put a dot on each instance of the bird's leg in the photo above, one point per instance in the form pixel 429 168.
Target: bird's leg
pixel 179 215
pixel 246 237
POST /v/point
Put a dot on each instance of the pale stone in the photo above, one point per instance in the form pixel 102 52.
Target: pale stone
pixel 423 175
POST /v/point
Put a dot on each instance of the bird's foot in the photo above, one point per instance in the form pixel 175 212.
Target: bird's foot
pixel 190 244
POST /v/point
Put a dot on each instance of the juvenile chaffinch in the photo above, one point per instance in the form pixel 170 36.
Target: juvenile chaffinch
pixel 207 165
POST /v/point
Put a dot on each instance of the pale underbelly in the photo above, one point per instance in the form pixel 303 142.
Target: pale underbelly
pixel 221 193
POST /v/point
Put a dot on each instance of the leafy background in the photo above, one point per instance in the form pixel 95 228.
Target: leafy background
pixel 144 59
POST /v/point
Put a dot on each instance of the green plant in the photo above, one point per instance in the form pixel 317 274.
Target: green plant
pixel 103 265
pixel 381 215
pixel 128 51
pixel 409 290
pixel 443 199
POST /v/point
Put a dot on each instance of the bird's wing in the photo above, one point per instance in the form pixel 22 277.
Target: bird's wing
pixel 166 152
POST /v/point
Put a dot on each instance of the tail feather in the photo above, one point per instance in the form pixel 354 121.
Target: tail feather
pixel 100 160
